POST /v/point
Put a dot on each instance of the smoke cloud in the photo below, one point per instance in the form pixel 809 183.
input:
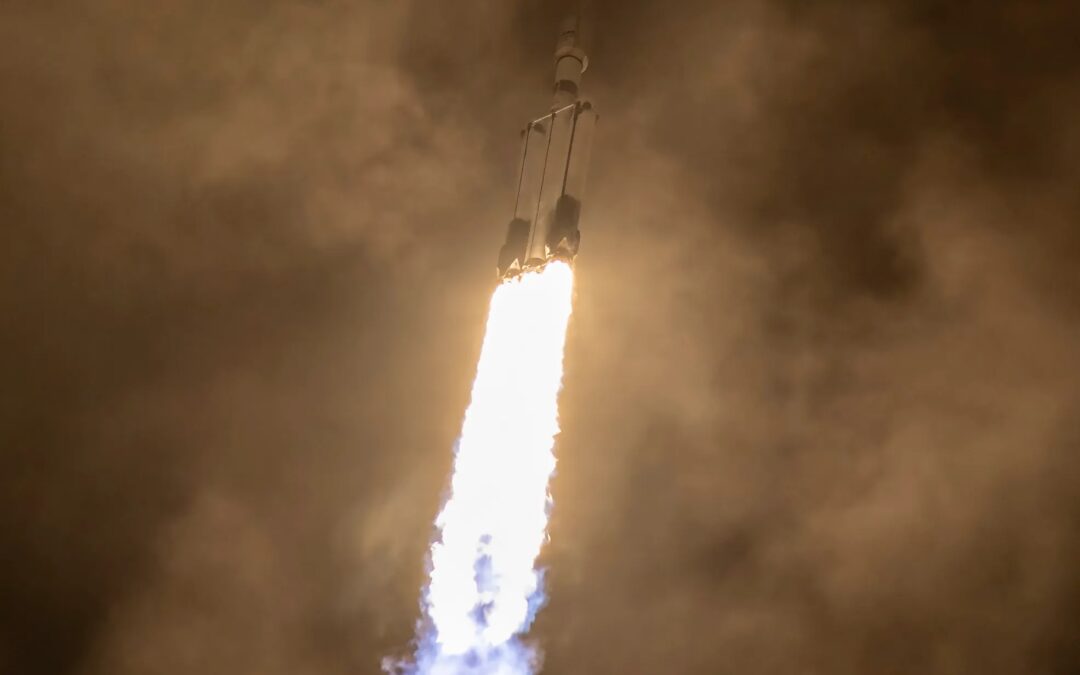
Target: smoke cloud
pixel 821 383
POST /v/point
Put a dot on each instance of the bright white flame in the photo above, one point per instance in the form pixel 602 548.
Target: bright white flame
pixel 484 588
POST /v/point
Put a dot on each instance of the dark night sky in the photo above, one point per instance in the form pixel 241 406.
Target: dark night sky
pixel 823 380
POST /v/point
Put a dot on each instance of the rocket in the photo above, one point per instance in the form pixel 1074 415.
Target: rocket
pixel 551 174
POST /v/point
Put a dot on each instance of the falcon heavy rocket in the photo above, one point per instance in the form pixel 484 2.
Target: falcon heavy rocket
pixel 551 174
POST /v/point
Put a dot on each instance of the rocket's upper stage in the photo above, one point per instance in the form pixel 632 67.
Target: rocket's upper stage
pixel 554 161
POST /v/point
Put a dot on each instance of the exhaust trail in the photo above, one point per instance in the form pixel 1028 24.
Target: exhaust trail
pixel 484 588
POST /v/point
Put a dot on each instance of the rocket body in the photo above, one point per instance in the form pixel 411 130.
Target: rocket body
pixel 551 173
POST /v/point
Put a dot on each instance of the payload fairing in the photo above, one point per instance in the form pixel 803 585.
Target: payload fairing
pixel 554 160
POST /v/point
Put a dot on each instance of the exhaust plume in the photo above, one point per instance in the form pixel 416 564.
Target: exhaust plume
pixel 483 588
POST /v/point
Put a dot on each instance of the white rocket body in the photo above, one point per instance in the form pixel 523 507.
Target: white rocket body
pixel 554 162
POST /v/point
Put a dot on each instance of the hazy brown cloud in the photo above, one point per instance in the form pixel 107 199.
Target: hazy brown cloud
pixel 821 397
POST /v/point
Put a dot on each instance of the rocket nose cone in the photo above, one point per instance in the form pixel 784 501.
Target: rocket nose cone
pixel 570 34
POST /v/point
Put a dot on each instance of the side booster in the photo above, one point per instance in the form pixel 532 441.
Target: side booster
pixel 554 160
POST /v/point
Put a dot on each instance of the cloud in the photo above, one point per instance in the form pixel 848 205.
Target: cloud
pixel 820 397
